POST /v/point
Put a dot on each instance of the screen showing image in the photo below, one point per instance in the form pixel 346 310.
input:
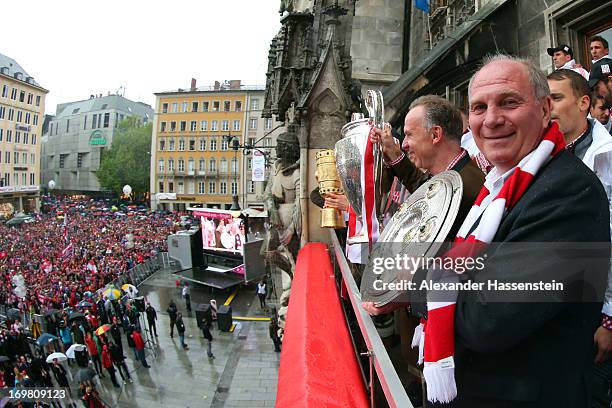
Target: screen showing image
pixel 222 230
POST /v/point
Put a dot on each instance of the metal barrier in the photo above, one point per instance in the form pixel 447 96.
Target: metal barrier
pixel 378 357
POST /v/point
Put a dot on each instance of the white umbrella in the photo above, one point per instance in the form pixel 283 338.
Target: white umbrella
pixel 59 356
pixel 73 348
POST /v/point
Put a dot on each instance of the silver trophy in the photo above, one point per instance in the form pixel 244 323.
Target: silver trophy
pixel 349 157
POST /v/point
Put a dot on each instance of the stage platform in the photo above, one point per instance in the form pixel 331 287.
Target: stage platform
pixel 211 277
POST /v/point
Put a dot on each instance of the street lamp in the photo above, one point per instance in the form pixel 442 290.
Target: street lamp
pixel 127 190
pixel 51 186
pixel 235 146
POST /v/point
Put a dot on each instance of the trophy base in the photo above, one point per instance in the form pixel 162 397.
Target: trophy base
pixel 332 218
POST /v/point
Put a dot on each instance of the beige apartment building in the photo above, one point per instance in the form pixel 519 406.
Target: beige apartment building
pixel 198 154
pixel 22 107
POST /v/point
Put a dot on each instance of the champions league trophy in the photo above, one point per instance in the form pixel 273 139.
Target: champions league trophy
pixel 350 154
pixel 327 176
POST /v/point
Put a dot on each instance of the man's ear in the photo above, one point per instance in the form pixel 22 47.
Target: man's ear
pixel 546 108
pixel 436 134
pixel 584 103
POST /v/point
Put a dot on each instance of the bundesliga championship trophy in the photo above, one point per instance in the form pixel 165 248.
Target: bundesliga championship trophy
pixel 327 176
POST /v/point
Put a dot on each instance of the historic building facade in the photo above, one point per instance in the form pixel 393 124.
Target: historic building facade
pixel 325 55
pixel 444 46
pixel 198 148
pixel 22 107
pixel 77 137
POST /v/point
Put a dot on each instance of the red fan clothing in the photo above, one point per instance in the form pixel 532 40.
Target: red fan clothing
pixel 138 342
pixel 107 361
pixel 91 346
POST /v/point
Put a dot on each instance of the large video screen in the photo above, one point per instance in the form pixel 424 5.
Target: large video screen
pixel 222 230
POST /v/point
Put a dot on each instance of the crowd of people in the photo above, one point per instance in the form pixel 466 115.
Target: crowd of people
pixel 69 251
pixel 65 258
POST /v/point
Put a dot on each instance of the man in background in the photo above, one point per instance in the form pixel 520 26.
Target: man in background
pixel 563 58
pixel 600 110
pixel 599 48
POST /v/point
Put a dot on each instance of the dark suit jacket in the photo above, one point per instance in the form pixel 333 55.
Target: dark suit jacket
pixel 516 354
pixel 412 178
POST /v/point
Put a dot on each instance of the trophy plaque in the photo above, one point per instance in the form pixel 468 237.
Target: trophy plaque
pixel 416 230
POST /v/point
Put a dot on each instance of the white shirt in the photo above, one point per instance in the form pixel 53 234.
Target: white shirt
pixel 605 56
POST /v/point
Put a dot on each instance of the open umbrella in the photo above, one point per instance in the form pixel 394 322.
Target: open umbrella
pixel 111 294
pixel 59 356
pixel 84 374
pixel 4 359
pixel 45 339
pixel 130 289
pixel 73 348
pixel 76 315
pixel 13 314
pixel 103 329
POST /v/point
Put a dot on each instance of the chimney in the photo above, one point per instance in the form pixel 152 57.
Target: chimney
pixel 193 84
pixel 234 84
pixel 217 85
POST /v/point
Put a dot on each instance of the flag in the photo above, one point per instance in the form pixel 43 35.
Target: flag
pixel 47 266
pixel 65 226
pixel 67 251
pixel 422 5
pixel 91 266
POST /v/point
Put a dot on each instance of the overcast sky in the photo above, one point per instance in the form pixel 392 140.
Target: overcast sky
pixel 76 48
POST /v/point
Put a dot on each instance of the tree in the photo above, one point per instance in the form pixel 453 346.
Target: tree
pixel 128 159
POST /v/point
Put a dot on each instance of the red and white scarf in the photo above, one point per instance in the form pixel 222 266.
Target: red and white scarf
pixel 436 338
pixel 368 226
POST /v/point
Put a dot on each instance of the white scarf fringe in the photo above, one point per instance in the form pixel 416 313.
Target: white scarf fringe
pixel 418 340
pixel 441 386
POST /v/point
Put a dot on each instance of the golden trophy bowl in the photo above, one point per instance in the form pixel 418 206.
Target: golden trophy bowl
pixel 329 182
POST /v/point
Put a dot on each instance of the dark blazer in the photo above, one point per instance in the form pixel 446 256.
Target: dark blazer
pixel 525 354
pixel 412 178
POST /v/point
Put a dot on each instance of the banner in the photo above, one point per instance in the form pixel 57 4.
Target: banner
pixel 258 166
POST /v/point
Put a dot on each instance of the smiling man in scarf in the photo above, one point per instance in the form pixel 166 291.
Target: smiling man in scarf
pixel 486 348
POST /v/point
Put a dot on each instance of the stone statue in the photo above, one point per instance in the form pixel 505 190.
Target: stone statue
pixel 281 194
pixel 296 6
pixel 282 202
pixel 286 5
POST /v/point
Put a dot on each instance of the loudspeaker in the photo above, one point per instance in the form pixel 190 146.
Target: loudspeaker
pixel 197 253
pixel 224 318
pixel 140 303
pixel 202 311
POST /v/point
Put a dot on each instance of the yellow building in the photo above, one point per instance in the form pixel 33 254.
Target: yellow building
pixel 192 160
pixel 22 107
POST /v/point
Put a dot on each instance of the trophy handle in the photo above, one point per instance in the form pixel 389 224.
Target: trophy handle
pixel 376 110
